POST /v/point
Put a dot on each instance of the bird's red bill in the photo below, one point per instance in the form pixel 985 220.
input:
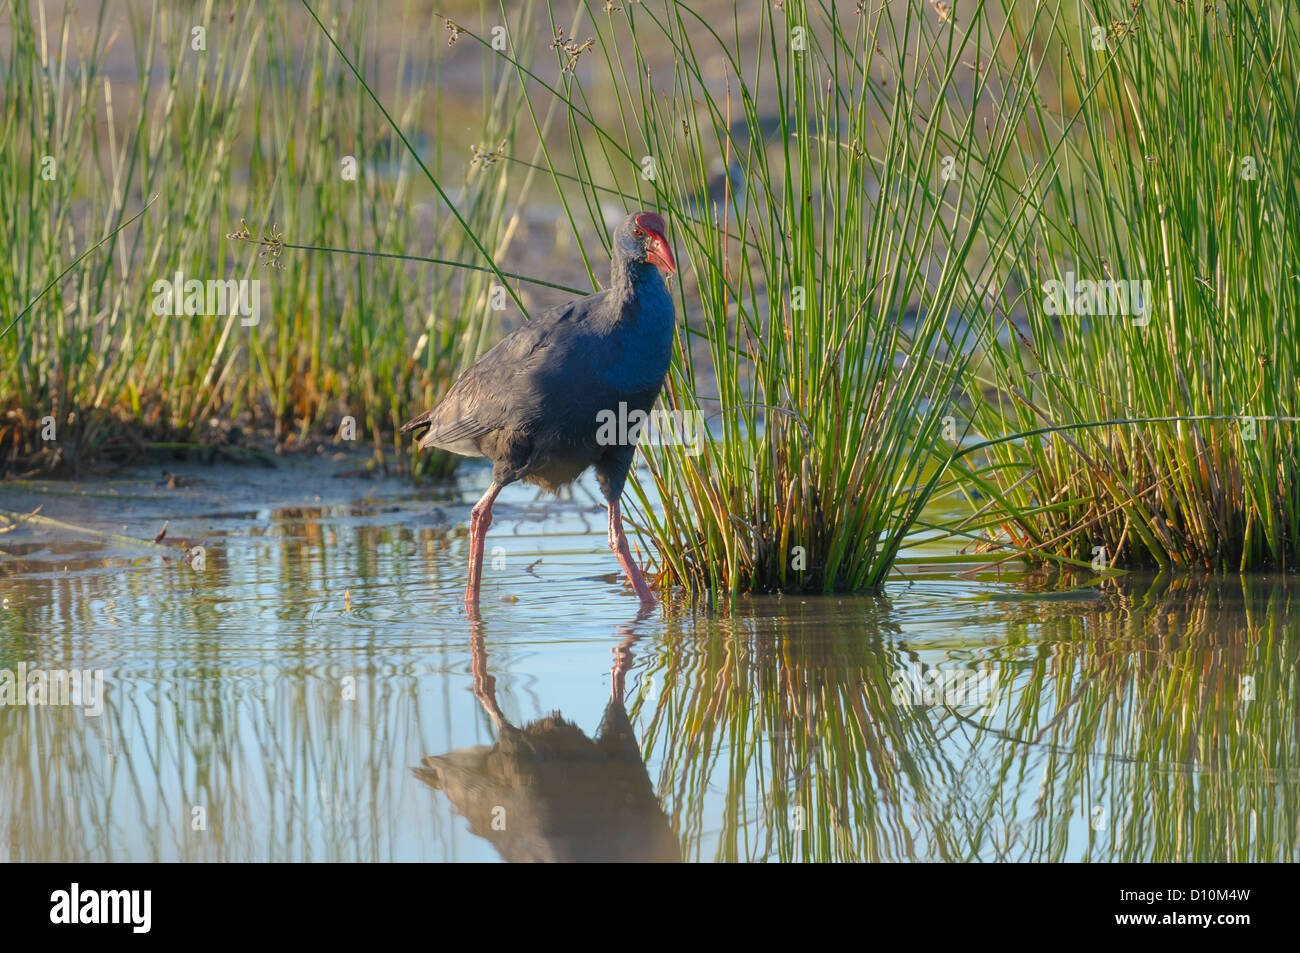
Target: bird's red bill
pixel 659 253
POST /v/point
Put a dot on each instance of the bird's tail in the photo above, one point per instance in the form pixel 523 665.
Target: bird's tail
pixel 418 425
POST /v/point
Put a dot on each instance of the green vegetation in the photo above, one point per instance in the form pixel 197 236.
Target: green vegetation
pixel 256 126
pixel 853 211
pixel 869 206
pixel 1175 170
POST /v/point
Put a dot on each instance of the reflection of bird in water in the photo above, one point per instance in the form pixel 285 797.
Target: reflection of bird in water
pixel 547 792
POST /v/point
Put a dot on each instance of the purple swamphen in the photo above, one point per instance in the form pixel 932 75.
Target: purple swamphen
pixel 533 403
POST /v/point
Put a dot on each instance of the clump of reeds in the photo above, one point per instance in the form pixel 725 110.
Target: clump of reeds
pixel 827 199
pixel 1170 134
pixel 260 119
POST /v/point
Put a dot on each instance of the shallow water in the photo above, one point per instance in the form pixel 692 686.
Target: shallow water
pixel 272 704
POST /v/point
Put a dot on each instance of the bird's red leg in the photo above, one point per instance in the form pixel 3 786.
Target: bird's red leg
pixel 480 518
pixel 618 543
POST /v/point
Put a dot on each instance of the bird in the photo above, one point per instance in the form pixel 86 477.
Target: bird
pixel 535 403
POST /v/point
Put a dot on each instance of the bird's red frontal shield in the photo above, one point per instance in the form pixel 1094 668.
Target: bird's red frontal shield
pixel 659 252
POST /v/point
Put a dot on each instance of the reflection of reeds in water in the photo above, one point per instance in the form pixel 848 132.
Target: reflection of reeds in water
pixel 1155 721
pixel 282 769
pixel 1187 694
pixel 798 710
pixel 1122 730
pixel 547 792
pixel 222 694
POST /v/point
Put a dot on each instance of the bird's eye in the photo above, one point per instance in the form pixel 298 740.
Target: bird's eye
pixel 636 231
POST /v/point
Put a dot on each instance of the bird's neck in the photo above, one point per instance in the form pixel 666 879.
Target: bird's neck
pixel 633 279
pixel 639 344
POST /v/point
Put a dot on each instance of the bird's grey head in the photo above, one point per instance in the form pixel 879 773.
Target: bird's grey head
pixel 642 237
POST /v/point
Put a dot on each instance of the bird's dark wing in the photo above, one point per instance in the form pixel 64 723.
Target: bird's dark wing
pixel 500 390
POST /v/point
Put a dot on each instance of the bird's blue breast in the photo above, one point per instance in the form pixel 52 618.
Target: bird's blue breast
pixel 640 345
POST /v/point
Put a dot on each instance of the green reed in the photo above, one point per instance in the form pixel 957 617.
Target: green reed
pixel 258 126
pixel 1170 153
